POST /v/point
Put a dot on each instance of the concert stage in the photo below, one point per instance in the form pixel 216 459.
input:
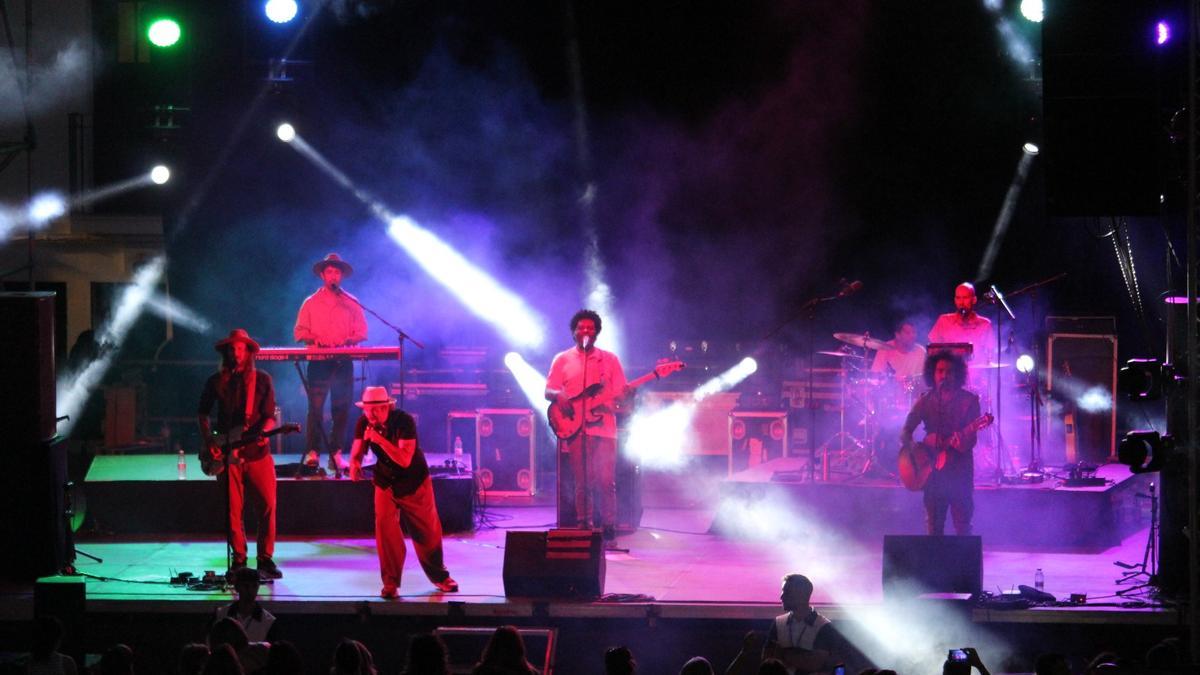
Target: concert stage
pixel 678 591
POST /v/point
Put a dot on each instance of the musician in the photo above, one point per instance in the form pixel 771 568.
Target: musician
pixel 964 324
pixel 594 466
pixel 906 358
pixel 331 317
pixel 403 489
pixel 245 400
pixel 946 411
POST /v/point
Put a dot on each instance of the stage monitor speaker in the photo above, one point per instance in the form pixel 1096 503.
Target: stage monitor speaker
pixel 554 564
pixel 27 399
pixel 917 564
pixel 37 536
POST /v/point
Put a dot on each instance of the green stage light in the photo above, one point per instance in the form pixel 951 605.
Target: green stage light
pixel 164 32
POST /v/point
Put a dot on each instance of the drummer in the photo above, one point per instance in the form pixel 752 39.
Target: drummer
pixel 904 359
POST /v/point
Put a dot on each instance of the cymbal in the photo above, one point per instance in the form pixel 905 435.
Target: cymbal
pixel 864 341
pixel 988 366
pixel 842 355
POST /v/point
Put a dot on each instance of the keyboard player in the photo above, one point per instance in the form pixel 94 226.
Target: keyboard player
pixel 330 317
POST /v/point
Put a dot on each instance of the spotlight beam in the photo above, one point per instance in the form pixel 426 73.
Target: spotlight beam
pixel 1003 219
pixel 478 291
pixel 74 388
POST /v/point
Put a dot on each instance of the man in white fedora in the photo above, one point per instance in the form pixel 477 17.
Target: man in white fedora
pixel 403 489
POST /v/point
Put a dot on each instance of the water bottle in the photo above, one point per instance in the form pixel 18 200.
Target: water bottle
pixel 181 465
pixel 458 460
pixel 1039 580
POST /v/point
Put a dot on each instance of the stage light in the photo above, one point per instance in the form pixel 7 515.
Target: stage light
pixel 1025 363
pixel 1145 451
pixel 160 174
pixel 1143 379
pixel 164 32
pixel 1162 33
pixel 286 132
pixel 46 207
pixel 1031 148
pixel 280 11
pixel 1033 10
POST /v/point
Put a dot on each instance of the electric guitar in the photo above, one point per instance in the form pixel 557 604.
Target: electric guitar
pixel 212 466
pixel 919 460
pixel 566 419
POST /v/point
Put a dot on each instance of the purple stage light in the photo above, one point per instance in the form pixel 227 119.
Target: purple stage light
pixel 1162 33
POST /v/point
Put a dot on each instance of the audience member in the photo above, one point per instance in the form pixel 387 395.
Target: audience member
pixel 253 655
pixel 192 658
pixel 801 638
pixel 697 665
pixel 504 655
pixel 223 661
pixel 352 658
pixel 619 661
pixel 284 659
pixel 258 623
pixel 955 667
pixel 426 656
pixel 44 657
pixel 116 660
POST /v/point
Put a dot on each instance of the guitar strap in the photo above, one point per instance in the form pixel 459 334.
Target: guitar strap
pixel 250 384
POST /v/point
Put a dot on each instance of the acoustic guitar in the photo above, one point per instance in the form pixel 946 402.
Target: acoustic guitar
pixel 215 467
pixel 567 419
pixel 919 460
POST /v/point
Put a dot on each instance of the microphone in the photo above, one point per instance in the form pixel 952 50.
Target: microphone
pixel 585 341
pixel 849 288
pixel 337 290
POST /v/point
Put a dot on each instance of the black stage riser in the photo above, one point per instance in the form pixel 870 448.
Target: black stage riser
pixel 303 507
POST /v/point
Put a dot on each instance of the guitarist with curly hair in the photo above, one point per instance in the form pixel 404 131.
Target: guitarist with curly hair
pixel 943 463
pixel 586 383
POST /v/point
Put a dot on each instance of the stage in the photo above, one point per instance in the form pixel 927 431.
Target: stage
pixel 678 581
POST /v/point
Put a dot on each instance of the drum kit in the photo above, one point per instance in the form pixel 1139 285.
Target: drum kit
pixel 872 409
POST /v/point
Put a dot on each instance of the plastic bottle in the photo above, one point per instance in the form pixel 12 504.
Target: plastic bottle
pixel 181 465
pixel 458 455
pixel 1039 580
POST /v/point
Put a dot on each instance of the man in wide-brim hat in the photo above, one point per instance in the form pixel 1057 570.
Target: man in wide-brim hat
pixel 331 317
pixel 403 489
pixel 245 401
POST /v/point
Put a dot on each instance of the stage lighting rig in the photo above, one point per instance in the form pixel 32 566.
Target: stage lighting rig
pixel 160 174
pixel 1147 379
pixel 285 132
pixel 1145 451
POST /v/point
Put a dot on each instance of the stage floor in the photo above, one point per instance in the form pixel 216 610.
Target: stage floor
pixel 673 559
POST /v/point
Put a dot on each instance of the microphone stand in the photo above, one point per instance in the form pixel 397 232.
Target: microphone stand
pixel 808 311
pixel 401 336
pixel 999 474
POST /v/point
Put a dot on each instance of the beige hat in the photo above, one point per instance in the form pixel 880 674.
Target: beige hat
pixel 374 396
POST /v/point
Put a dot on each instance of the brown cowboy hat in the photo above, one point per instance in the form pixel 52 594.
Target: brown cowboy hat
pixel 334 260
pixel 374 396
pixel 237 335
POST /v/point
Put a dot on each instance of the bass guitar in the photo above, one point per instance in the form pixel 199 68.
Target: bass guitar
pixel 211 466
pixel 567 418
pixel 919 460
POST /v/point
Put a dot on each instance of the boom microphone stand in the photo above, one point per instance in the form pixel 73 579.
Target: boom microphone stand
pixel 1001 451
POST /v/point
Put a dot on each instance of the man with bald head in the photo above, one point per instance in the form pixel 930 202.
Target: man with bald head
pixel 965 325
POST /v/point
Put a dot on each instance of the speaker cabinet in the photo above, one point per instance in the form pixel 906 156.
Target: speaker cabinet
pixel 918 564
pixel 35 478
pixel 1081 374
pixel 27 399
pixel 554 564
pixel 506 459
pixel 756 438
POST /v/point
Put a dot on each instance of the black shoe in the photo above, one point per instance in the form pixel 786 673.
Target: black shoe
pixel 267 569
pixel 233 570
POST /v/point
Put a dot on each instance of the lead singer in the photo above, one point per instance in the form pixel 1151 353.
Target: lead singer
pixel 593 448
pixel 403 489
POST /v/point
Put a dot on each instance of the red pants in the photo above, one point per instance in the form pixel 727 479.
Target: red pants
pixel 421 518
pixel 601 479
pixel 260 475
